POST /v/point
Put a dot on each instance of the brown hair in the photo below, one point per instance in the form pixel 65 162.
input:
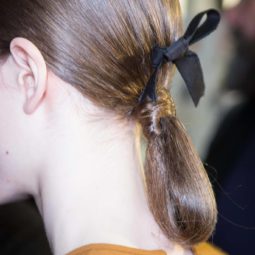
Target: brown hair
pixel 103 49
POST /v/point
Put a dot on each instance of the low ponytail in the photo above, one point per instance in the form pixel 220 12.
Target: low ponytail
pixel 179 193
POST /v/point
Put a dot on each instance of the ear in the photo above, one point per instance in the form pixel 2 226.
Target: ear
pixel 32 74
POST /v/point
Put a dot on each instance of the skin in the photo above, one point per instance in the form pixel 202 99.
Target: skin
pixel 84 174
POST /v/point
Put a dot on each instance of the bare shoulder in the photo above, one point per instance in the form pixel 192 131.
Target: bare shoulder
pixel 207 249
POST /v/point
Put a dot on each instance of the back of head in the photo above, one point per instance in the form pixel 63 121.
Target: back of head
pixel 103 49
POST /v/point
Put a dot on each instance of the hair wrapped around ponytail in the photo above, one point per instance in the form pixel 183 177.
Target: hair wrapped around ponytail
pixel 179 193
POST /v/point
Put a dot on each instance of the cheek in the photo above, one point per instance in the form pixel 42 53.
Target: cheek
pixel 10 112
pixel 8 121
pixel 11 154
pixel 11 176
pixel 12 140
pixel 10 133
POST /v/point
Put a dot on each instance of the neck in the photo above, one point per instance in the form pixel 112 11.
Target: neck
pixel 91 187
pixel 86 184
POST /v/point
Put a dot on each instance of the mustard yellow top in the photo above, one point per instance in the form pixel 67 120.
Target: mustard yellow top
pixel 113 249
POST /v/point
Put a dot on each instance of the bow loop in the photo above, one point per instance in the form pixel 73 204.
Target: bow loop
pixel 187 62
pixel 195 33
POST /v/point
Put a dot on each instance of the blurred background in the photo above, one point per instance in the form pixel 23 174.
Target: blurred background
pixel 222 128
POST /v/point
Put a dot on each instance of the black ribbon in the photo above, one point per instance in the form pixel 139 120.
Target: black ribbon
pixel 186 61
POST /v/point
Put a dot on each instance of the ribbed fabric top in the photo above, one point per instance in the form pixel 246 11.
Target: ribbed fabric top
pixel 113 249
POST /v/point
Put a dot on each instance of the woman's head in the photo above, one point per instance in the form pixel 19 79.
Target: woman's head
pixel 102 49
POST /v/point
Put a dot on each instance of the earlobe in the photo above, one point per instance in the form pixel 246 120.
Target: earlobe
pixel 32 72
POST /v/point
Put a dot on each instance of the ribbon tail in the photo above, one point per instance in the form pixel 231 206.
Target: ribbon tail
pixel 150 88
pixel 190 69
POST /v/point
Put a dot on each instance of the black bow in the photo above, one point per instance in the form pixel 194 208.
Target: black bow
pixel 187 62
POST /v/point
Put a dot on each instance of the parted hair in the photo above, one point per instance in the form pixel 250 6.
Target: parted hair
pixel 103 48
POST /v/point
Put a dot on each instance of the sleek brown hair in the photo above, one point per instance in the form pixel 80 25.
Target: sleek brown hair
pixel 103 49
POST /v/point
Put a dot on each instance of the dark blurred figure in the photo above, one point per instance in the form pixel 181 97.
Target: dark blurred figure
pixel 232 152
pixel 21 230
